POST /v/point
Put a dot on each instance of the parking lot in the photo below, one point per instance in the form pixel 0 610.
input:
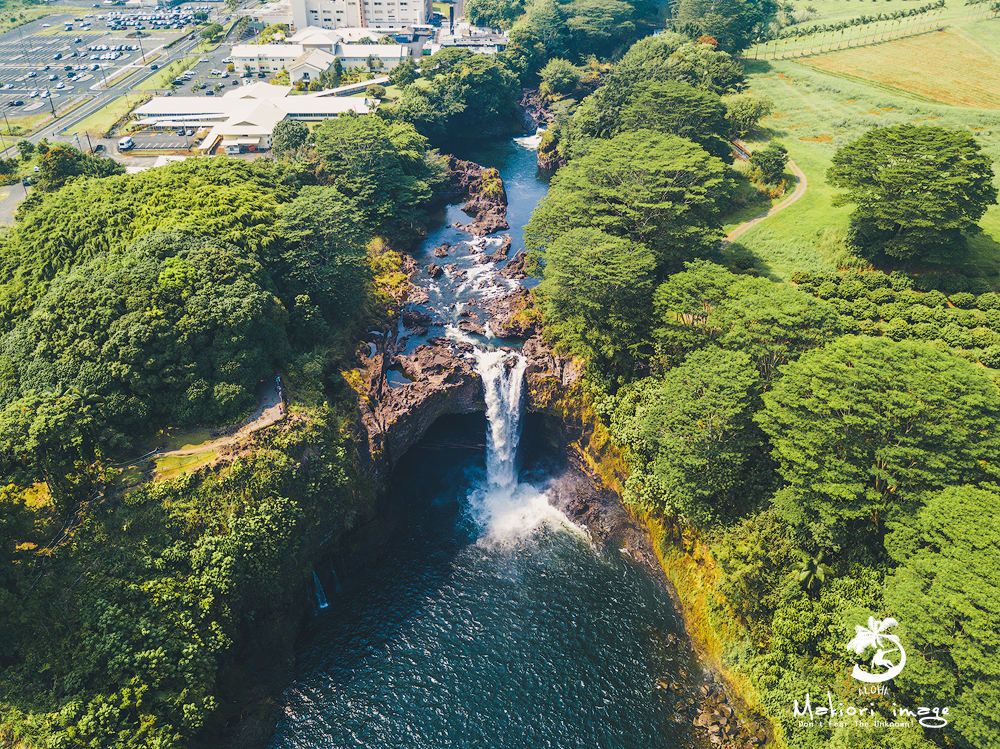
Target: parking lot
pixel 161 141
pixel 32 49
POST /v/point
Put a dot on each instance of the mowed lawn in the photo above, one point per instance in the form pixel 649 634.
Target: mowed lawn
pixel 943 66
pixel 817 112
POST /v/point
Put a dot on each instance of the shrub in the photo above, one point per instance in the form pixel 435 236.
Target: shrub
pixel 989 300
pixel 963 300
pixel 875 279
pixel 990 357
pixel 852 288
pixel 955 284
pixel 927 282
pixel 892 310
pixel 865 310
pixel 882 295
pixel 827 290
pixel 934 299
pixel 801 276
pixel 979 286
pixel 868 327
pixel 900 281
pixel 925 331
pixel 897 329
pixel 983 337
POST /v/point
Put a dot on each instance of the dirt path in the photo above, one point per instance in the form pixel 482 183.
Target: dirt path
pixel 800 189
pixel 268 411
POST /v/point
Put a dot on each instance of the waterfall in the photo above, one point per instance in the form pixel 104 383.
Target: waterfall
pixel 320 597
pixel 336 579
pixel 505 509
pixel 503 380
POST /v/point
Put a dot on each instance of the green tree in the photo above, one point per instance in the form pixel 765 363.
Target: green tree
pixel 594 293
pixel 375 91
pixel 864 425
pixel 61 163
pixel 325 252
pixel 404 74
pixel 496 14
pixel 661 190
pixel 600 27
pixel 811 573
pixel 559 77
pixel 670 107
pixel 946 596
pixel 288 136
pixel 769 163
pixel 26 149
pixel 773 323
pixel 904 210
pixel 733 23
pixel 744 111
pixel 211 32
pixel 693 446
pixel 381 166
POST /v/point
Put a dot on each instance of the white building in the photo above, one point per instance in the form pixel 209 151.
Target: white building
pixel 312 51
pixel 381 15
pixel 242 119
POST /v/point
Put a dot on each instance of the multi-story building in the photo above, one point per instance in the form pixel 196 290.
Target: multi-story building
pixel 381 15
pixel 312 51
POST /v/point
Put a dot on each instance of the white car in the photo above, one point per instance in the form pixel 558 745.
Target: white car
pixel 204 59
pixel 33 95
pixel 61 85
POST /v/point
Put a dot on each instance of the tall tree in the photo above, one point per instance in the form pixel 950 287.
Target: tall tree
pixel 661 190
pixel 918 190
pixel 864 425
pixel 692 443
pixel 594 293
pixel 671 107
pixel 946 596
pixel 732 23
pixel 288 136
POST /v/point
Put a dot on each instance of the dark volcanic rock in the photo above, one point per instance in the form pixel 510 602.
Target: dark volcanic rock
pixel 395 418
pixel 413 318
pixel 533 109
pixel 442 251
pixel 500 255
pixel 468 326
pixel 434 270
pixel 485 193
pixel 515 268
pixel 512 316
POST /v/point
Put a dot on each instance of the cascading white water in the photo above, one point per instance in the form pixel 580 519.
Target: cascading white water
pixel 504 507
pixel 503 380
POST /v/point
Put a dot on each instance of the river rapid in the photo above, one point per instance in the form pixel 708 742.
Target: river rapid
pixel 490 620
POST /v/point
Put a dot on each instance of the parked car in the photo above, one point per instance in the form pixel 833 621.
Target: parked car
pixel 126 143
pixel 32 74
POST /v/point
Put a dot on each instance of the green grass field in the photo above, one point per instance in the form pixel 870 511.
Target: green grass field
pixel 14 13
pixel 815 113
pixel 103 119
pixel 173 466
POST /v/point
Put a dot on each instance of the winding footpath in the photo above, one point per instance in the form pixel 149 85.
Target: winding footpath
pixel 268 412
pixel 800 189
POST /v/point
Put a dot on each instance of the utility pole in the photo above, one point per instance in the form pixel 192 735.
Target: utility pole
pixel 138 35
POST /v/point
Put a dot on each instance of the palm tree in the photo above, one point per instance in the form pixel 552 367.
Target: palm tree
pixel 812 573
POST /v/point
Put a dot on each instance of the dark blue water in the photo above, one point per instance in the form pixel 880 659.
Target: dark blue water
pixel 520 636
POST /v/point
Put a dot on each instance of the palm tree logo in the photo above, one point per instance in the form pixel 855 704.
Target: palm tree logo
pixel 876 636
